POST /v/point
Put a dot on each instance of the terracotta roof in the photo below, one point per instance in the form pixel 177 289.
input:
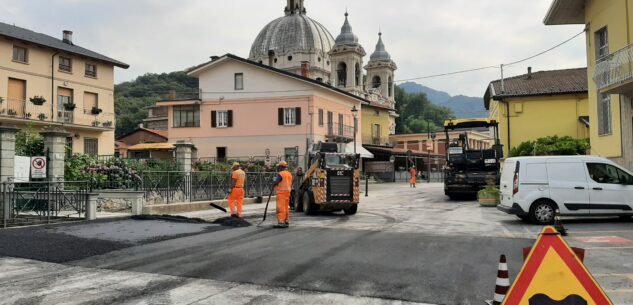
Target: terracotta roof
pixel 27 35
pixel 540 83
pixel 160 133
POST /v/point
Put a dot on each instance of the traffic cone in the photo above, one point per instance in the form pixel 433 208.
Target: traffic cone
pixel 558 224
pixel 503 282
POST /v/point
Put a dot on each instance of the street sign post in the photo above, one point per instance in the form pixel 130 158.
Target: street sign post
pixel 38 167
pixel 553 274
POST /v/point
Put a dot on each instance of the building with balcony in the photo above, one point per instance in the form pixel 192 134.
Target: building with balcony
pixel 48 81
pixel 609 30
pixel 250 109
pixel 539 104
pixel 421 144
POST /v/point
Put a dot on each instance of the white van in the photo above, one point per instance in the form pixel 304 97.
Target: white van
pixel 534 187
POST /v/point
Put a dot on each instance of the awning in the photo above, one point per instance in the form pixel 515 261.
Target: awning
pixel 364 153
pixel 152 146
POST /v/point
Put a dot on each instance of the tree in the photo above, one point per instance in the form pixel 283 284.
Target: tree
pixel 132 98
pixel 418 114
pixel 551 146
pixel 28 142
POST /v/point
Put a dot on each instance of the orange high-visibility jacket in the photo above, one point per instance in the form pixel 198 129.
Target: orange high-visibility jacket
pixel 286 182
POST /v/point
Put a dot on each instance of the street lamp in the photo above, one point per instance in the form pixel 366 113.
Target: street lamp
pixel 355 114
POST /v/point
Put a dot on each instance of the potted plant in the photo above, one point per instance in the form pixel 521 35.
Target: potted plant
pixel 96 111
pixel 38 100
pixel 12 112
pixel 489 196
pixel 96 123
pixel 28 115
pixel 70 106
pixel 107 124
pixel 42 117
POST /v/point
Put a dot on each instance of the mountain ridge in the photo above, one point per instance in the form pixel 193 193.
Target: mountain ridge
pixel 462 106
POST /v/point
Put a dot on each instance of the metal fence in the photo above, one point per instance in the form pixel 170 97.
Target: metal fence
pixel 403 165
pixel 254 163
pixel 175 187
pixel 28 203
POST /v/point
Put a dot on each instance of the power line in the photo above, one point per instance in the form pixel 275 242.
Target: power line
pixel 494 67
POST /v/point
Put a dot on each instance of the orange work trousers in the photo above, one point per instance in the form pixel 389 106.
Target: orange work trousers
pixel 236 200
pixel 413 180
pixel 283 203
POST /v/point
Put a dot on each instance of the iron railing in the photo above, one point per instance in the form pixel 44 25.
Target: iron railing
pixel 615 68
pixel 340 130
pixel 26 110
pixel 383 141
pixel 175 187
pixel 27 203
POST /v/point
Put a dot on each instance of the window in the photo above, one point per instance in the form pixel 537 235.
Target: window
pixel 291 154
pixel 341 74
pixel 187 116
pixel 65 64
pixel 341 128
pixel 376 82
pixel 608 174
pixel 220 154
pixel 64 96
pixel 222 119
pixel 289 116
pixel 69 147
pixel 602 44
pixel 604 114
pixel 91 146
pixel 390 86
pixel 320 117
pixel 91 70
pixel 20 54
pixel 90 101
pixel 239 81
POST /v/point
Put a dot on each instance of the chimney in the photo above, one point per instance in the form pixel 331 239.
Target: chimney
pixel 271 57
pixel 68 37
pixel 529 75
pixel 305 68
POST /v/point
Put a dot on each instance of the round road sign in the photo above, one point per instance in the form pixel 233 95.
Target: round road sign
pixel 38 163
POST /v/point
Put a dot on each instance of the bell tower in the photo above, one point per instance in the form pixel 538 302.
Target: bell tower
pixel 347 60
pixel 380 72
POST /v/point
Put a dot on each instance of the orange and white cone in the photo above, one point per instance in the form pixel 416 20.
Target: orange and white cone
pixel 503 282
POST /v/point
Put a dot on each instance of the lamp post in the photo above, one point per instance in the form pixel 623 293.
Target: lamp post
pixel 432 136
pixel 355 114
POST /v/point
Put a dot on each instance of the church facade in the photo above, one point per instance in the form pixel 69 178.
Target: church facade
pixel 297 43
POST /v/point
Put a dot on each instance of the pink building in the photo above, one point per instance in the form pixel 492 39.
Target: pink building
pixel 248 109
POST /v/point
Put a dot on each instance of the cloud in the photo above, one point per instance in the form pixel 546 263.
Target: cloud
pixel 424 37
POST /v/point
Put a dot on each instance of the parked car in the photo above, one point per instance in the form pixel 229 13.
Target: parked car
pixel 532 188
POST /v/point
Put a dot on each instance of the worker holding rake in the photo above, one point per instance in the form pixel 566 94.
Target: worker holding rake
pixel 236 199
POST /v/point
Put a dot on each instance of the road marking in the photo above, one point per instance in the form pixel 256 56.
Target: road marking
pixel 608 248
pixel 603 240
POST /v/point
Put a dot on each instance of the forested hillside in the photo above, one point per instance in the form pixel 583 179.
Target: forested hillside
pixel 418 114
pixel 133 97
pixel 461 105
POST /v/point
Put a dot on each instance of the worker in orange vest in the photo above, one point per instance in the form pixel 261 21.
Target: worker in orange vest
pixel 284 187
pixel 236 199
pixel 414 177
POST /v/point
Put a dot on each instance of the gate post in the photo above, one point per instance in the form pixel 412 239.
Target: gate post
pixel 7 152
pixel 55 144
pixel 184 160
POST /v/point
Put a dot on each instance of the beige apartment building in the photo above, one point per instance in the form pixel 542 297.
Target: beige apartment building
pixel 47 81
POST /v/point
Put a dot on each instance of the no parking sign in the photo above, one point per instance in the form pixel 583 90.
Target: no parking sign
pixel 38 167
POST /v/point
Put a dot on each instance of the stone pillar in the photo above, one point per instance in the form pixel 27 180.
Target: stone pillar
pixel 184 155
pixel 7 152
pixel 55 145
pixel 138 202
pixel 91 206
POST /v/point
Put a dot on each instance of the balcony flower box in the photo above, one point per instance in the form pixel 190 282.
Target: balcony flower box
pixel 96 123
pixel 12 112
pixel 28 115
pixel 70 106
pixel 96 111
pixel 42 117
pixel 107 124
pixel 38 100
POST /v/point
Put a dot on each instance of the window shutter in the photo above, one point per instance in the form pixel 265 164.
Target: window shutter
pixel 298 114
pixel 230 118
pixel 214 119
pixel 280 116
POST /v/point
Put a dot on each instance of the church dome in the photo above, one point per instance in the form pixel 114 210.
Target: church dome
pixel 293 33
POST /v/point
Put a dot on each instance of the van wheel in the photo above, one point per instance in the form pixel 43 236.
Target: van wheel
pixel 542 212
pixel 309 208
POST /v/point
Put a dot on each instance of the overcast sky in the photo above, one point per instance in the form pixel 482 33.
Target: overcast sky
pixel 424 37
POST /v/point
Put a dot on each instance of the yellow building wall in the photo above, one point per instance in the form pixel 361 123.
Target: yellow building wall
pixel 37 74
pixel 536 117
pixel 371 116
pixel 614 14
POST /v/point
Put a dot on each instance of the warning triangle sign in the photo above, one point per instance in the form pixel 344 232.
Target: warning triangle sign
pixel 553 275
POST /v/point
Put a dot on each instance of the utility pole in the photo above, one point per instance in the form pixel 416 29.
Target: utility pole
pixel 428 138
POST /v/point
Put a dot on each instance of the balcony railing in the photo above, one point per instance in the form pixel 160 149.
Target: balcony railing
pixel 382 141
pixel 26 110
pixel 614 69
pixel 336 130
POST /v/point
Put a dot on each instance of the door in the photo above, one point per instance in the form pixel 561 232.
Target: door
pixel 16 97
pixel 569 187
pixel 610 189
pixel 221 154
pixel 64 96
